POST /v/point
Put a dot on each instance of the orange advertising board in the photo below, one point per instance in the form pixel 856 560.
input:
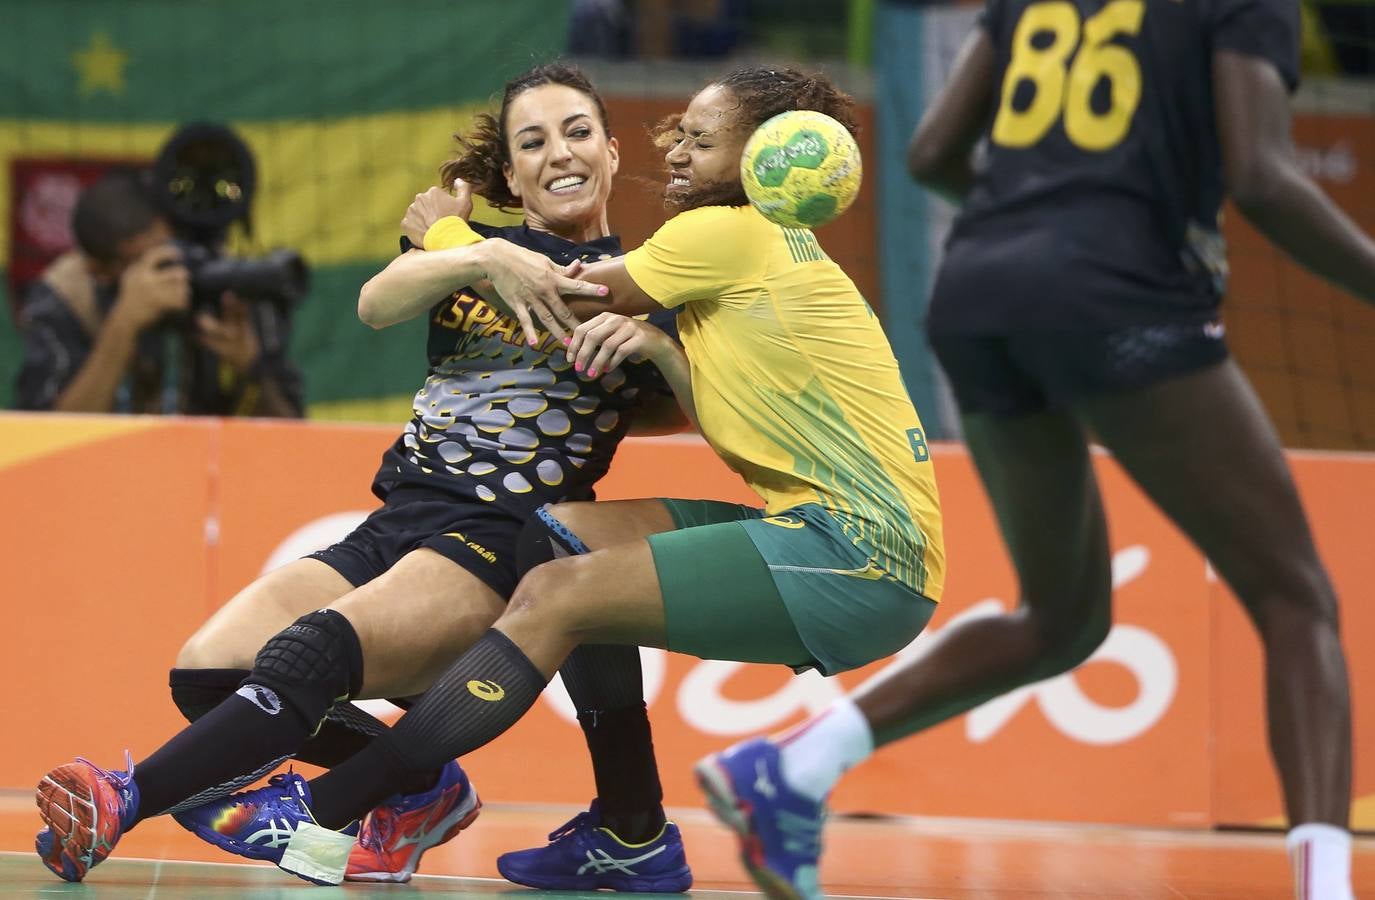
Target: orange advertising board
pixel 125 533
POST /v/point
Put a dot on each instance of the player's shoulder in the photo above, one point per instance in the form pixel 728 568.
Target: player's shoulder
pixel 719 224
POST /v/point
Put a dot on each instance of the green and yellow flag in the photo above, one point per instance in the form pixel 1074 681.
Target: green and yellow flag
pixel 349 107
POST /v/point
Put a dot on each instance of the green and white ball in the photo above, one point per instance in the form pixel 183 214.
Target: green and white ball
pixel 801 169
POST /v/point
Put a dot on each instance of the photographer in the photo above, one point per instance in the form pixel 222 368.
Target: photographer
pixel 112 327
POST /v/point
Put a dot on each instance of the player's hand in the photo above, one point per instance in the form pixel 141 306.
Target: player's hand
pixel 433 205
pixel 232 336
pixel 533 287
pixel 608 339
pixel 154 285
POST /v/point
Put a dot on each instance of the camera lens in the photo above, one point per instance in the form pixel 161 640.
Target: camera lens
pixel 204 177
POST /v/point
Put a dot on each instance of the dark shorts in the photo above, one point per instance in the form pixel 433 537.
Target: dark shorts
pixel 1017 374
pixel 464 531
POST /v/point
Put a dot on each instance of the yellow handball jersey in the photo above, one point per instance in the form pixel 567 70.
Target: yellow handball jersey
pixel 795 384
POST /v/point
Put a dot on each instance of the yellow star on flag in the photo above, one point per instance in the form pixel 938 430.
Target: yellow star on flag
pixel 100 66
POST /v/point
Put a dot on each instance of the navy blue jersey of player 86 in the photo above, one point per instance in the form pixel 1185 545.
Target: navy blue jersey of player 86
pixel 505 423
pixel 1097 197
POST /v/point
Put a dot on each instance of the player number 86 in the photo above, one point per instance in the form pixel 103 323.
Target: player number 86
pixel 1062 90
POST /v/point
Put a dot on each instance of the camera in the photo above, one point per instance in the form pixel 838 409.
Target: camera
pixel 280 277
pixel 203 181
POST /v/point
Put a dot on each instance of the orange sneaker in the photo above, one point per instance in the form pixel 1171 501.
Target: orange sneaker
pixel 86 809
pixel 396 834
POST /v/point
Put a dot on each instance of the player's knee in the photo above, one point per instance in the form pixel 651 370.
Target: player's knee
pixel 311 663
pixel 545 592
pixel 1065 642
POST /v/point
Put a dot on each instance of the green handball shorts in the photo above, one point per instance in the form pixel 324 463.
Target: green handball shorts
pixel 790 589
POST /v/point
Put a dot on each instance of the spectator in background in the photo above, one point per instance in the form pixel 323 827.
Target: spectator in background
pixel 108 326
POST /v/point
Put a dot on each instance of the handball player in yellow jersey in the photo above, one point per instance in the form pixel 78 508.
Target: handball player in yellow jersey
pixel 793 383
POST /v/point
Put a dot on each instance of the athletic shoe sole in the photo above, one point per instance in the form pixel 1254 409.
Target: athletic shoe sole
pixel 675 883
pixel 458 819
pixel 67 805
pixel 737 815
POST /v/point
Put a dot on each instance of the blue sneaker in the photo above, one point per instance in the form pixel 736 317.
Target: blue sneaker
pixel 584 856
pixel 274 823
pixel 86 810
pixel 779 829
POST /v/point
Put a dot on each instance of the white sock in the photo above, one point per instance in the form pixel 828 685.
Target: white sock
pixel 1321 857
pixel 816 753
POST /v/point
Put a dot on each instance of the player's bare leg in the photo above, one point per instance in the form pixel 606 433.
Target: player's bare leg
pixel 1203 448
pixel 414 619
pixel 1037 473
pixel 231 638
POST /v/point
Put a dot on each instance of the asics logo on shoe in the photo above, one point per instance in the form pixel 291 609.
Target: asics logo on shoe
pixel 264 698
pixel 600 861
pixel 276 834
pixel 762 783
pixel 486 690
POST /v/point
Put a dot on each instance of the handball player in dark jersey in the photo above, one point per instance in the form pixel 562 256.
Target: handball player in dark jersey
pixel 1079 295
pixel 502 426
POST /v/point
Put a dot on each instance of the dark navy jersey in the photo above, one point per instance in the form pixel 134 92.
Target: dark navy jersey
pixel 505 423
pixel 1097 194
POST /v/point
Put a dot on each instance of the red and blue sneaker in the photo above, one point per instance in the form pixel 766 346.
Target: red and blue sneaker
pixel 86 809
pixel 779 828
pixel 396 834
pixel 274 823
pixel 584 856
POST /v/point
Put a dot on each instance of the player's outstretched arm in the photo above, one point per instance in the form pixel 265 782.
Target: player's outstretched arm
pixel 414 281
pixel 1267 185
pixel 939 154
pixel 624 297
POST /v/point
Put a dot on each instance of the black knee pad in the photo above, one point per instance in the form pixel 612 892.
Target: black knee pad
pixel 544 538
pixel 312 663
pixel 197 691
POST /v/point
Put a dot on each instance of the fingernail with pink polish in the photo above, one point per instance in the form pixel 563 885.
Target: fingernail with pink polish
pixel 577 367
pixel 591 373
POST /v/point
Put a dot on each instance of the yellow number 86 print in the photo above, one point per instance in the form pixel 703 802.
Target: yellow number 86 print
pixel 1066 91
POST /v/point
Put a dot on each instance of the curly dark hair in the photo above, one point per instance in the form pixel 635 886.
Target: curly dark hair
pixel 484 152
pixel 762 92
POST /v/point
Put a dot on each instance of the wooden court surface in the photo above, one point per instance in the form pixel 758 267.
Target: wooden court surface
pixel 953 859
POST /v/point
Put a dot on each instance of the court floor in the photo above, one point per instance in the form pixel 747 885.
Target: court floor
pixel 952 859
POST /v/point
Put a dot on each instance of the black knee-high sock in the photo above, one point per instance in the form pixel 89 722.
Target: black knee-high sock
pixel 607 689
pixel 346 730
pixel 297 676
pixel 480 696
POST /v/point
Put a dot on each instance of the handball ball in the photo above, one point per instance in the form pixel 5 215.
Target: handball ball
pixel 801 169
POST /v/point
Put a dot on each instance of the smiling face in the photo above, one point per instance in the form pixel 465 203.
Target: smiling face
pixel 705 150
pixel 562 161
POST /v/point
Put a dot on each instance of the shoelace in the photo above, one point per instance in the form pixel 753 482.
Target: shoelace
pixel 117 778
pixel 379 829
pixel 580 822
